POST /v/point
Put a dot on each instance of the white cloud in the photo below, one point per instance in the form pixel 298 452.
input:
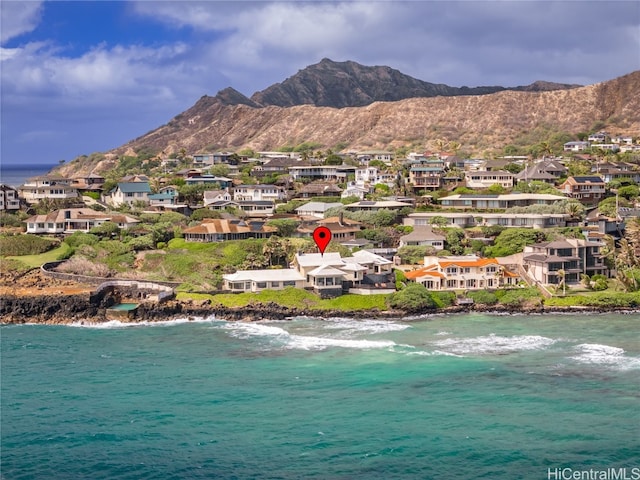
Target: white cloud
pixel 18 17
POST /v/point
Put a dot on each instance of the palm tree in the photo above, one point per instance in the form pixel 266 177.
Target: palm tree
pixel 562 274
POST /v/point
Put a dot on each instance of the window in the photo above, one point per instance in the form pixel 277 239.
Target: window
pixel 289 283
pixel 452 270
pixel 129 194
pixel 261 284
pixel 467 269
pixel 275 284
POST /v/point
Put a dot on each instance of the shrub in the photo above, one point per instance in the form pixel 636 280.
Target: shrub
pixel 80 238
pixel 26 244
pixel 483 297
pixel 519 296
pixel 443 299
pixel 80 265
pixel 10 220
pixel 413 298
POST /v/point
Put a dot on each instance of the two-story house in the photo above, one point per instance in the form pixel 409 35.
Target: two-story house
pixel 220 230
pixel 9 199
pixel 588 189
pixel 72 220
pixel 576 146
pixel 47 187
pixel 549 262
pixel 259 193
pixel 128 192
pixel 423 236
pixel 467 272
pixel 427 174
pixel 212 197
pixel 485 179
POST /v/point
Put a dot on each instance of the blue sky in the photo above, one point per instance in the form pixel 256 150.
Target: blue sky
pixel 80 77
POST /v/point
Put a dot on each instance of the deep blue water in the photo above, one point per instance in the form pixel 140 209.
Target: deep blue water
pixel 15 175
pixel 474 396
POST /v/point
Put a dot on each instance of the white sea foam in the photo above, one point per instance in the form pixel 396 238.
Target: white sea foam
pixel 116 324
pixel 493 344
pixel 302 342
pixel 605 355
pixel 352 325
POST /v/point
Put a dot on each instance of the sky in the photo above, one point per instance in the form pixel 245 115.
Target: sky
pixel 88 76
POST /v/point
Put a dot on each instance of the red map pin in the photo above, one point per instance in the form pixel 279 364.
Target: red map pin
pixel 322 237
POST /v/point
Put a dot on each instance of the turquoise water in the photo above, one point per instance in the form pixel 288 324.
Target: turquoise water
pixel 472 396
pixel 124 306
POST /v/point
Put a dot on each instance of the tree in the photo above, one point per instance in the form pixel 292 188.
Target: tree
pixel 286 226
pixel 414 298
pixel 414 254
pixel 496 189
pixel 562 274
pixel 629 192
pixel 276 250
pixel 333 160
pixel 106 230
pixel 513 240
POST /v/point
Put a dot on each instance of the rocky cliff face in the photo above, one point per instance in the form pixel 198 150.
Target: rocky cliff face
pixel 476 121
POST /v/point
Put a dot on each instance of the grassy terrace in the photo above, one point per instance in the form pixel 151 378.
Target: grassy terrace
pixel 33 261
pixel 292 297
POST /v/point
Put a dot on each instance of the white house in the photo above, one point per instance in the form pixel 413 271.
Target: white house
pixel 423 236
pixel 214 196
pixel 129 193
pixel 9 200
pixel 485 179
pixel 72 220
pixel 48 187
pixel 258 280
pixel 316 209
pixel 259 193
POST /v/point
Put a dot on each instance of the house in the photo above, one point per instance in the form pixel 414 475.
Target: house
pixel 259 193
pixel 166 196
pixel 9 200
pixel 342 229
pixel 465 220
pixel 485 179
pixel 327 173
pixel 88 183
pixel 375 263
pixel 128 192
pixel 316 209
pixel 547 171
pixel 586 189
pixel 426 175
pixel 599 137
pixel 72 220
pixel 621 140
pixel 486 202
pixel 467 272
pixel 546 262
pixel 213 180
pixel 319 189
pixel 371 206
pixel 256 208
pixel 47 187
pixel 576 146
pixel 217 230
pixel 355 189
pixel 213 196
pixel 258 280
pixel 381 155
pixel 610 147
pixel 423 236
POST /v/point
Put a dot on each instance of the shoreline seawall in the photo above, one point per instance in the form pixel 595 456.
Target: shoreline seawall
pixel 65 309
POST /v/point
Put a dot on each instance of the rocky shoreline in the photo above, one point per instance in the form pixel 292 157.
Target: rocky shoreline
pixel 67 309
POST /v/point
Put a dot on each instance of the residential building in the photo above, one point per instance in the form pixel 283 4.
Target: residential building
pixel 354 189
pixel 423 236
pixel 258 193
pixel 610 147
pixel 213 180
pixel 72 220
pixel 486 202
pixel 546 262
pixel 319 189
pixel 599 137
pixel 587 189
pixel 381 155
pixel 372 206
pixel 47 187
pixel 485 179
pixel 462 273
pixel 258 280
pixel 547 171
pixel 9 200
pixel 620 140
pixel 217 230
pixel 213 196
pixel 256 208
pixel 465 220
pixel 166 196
pixel 335 173
pixel 576 146
pixel 128 192
pixel 316 209
pixel 88 183
pixel 426 174
pixel 342 229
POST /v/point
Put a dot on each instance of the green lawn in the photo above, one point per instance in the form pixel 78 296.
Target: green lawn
pixel 293 298
pixel 37 260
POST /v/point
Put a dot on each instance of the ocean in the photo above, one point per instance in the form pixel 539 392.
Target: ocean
pixel 451 396
pixel 15 175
